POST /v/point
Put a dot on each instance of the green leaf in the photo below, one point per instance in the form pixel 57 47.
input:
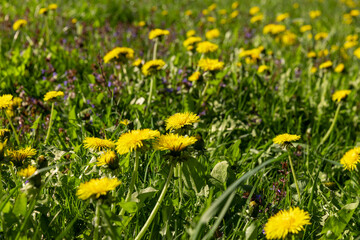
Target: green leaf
pixel 20 205
pixel 130 207
pixel 335 225
pixel 220 171
pixel 193 175
pixel 251 231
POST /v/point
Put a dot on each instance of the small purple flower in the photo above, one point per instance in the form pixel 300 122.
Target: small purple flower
pixel 180 71
pixel 65 83
pixel 54 74
pixel 42 71
pixel 109 84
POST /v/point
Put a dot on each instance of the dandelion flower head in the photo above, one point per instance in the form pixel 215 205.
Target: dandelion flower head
pixel 351 159
pixel 43 11
pixel 194 77
pixel 19 23
pixel 107 158
pixel 27 172
pixel 173 142
pixel 152 66
pixel 285 139
pixel 208 64
pixel 119 53
pixel 97 187
pixel 188 43
pixel 98 143
pixel 53 6
pixel 179 120
pixel 213 33
pixel 285 222
pixel 326 64
pixel 133 140
pixel 206 47
pixel 53 94
pixel 340 94
pixel 3 131
pixel 5 101
pixel 157 33
pixel 21 154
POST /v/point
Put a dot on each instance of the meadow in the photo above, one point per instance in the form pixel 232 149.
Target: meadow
pixel 179 119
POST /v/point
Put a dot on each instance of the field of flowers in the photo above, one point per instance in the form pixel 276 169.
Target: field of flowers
pixel 179 119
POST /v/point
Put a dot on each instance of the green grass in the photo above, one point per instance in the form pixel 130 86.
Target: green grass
pixel 227 185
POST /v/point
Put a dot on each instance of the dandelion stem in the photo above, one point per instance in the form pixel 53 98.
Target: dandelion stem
pixel 13 128
pixel 152 89
pixel 50 123
pixel 294 176
pixel 157 206
pixel 155 48
pixel 97 220
pixel 332 125
pixel 132 182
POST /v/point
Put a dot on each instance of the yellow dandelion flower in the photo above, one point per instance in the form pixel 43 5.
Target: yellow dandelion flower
pixel 326 64
pixel 3 131
pixel 285 139
pixel 254 10
pixel 356 53
pixel 305 28
pixel 53 94
pixel 120 54
pixel 314 14
pixel 213 33
pixel 296 5
pixel 16 101
pixel 125 122
pixel 211 19
pixel 323 53
pixel 274 29
pixel 339 68
pixel 19 23
pixel 340 94
pixel 281 17
pixel 2 148
pixel 27 172
pixel 179 120
pixel 191 41
pixel 21 154
pixel 194 77
pixel 74 20
pixel 311 54
pixel 234 5
pixel 158 33
pixel 206 47
pixel 53 6
pixel 355 12
pixel 98 143
pixel 222 11
pixel 212 7
pixel 152 66
pixel 253 53
pixel 351 159
pixel 321 35
pixel 257 18
pixel 108 158
pixel 288 38
pixel 43 11
pixel 208 64
pixel 137 62
pixel 285 222
pixel 350 44
pixel 164 12
pixel 141 23
pixel 313 70
pixel 133 140
pixel 234 14
pixel 190 33
pixel 5 101
pixel 262 68
pixel 173 142
pixel 97 187
pixel 188 13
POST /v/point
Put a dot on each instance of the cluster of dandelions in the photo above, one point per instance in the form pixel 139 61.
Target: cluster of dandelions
pixel 135 140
